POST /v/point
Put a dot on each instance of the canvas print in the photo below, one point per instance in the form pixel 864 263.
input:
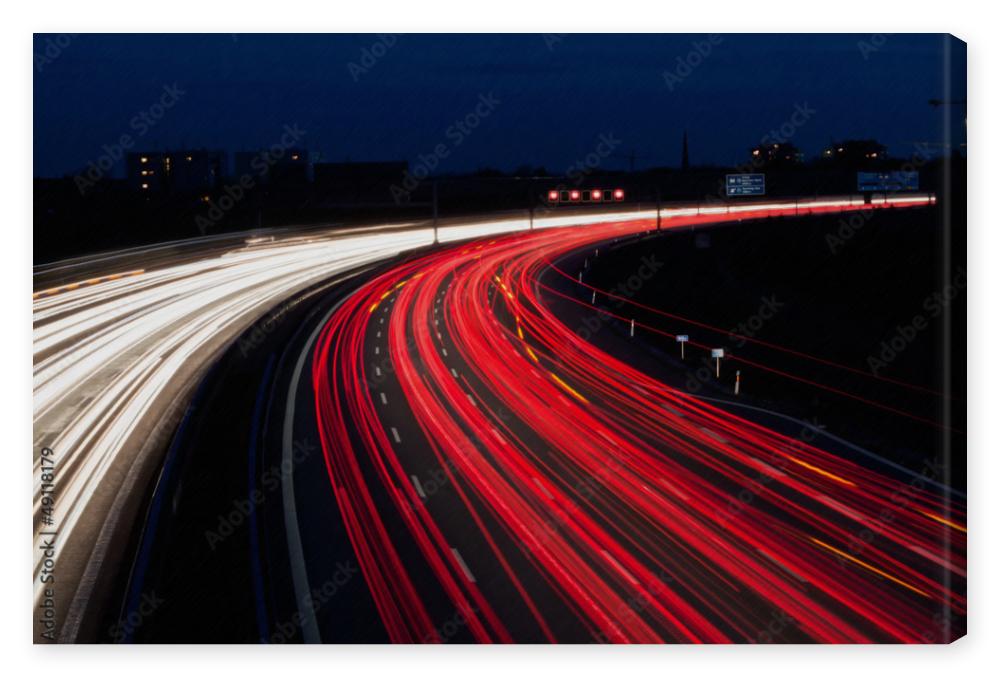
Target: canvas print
pixel 499 338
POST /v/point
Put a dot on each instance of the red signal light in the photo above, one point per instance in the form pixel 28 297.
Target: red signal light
pixel 595 195
pixel 574 195
pixel 553 196
pixel 619 194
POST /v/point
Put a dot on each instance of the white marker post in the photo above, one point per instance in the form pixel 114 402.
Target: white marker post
pixel 593 297
pixel 717 354
pixel 631 332
pixel 737 391
pixel 682 339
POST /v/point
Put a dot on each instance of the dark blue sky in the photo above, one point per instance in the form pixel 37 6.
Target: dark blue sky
pixel 554 98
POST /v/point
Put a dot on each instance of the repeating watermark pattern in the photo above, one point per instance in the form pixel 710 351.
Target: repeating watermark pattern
pixel 627 288
pixel 456 134
pixel 371 55
pixel 125 627
pixel 52 49
pixel 270 480
pixel 748 329
pixel 849 226
pixel 933 306
pixel 687 63
pixel 872 44
pixel 801 114
pixel 260 166
pixel 344 572
pixel 139 125
pixel 607 143
pixel 552 40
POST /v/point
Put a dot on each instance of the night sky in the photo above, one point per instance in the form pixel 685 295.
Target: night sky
pixel 553 97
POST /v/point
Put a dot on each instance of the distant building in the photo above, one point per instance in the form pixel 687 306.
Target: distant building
pixel 775 154
pixel 856 151
pixel 292 167
pixel 175 171
pixel 358 182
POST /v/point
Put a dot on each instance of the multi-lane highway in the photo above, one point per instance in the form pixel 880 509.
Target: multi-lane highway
pixel 482 472
pixel 584 500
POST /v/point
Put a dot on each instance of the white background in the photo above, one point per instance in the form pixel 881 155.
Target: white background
pixel 969 660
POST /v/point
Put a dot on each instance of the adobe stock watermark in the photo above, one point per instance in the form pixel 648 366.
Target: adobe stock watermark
pixel 344 572
pixel 749 328
pixel 371 55
pixel 626 288
pixel 456 134
pixel 138 126
pixel 851 225
pixel 260 165
pixel 552 40
pixel 52 49
pixel 686 64
pixel 933 307
pixel 872 44
pixel 242 508
pixel 801 114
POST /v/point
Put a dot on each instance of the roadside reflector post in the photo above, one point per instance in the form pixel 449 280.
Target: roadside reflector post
pixel 631 332
pixel 593 297
pixel 682 339
pixel 658 207
pixel 737 390
pixel 717 354
pixel 434 192
pixel 580 278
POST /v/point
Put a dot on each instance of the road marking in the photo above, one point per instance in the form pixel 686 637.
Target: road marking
pixel 378 370
pixel 454 373
pixel 470 399
pixel 669 486
pixel 444 352
pixel 378 334
pixel 499 437
pixel 543 488
pixel 418 486
pixel 621 568
pixel 376 349
pixel 384 400
pixel 461 562
pixel 712 434
pixel 395 435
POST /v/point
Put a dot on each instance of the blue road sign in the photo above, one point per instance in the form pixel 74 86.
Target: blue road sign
pixel 744 184
pixel 888 181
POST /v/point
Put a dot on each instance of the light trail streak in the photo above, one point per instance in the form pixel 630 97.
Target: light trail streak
pixel 639 514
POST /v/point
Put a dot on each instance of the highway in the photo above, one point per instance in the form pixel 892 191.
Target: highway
pixel 494 477
pixel 119 341
pixel 584 500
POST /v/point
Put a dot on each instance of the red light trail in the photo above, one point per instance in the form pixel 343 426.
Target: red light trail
pixel 585 500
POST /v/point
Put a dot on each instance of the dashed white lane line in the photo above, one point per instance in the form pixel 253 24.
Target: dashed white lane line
pixel 376 349
pixel 669 486
pixel 712 434
pixel 620 568
pixel 444 352
pixel 378 334
pixel 378 370
pixel 382 396
pixel 419 488
pixel 465 568
pixel 471 399
pixel 543 488
pixel 502 440
pixel 454 373
pixel 395 435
